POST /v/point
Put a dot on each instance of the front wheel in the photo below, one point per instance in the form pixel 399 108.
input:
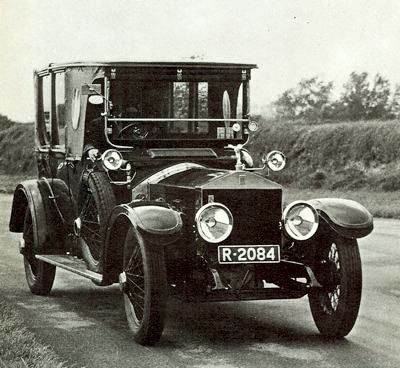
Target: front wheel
pixel 145 288
pixel 96 202
pixel 39 275
pixel 335 306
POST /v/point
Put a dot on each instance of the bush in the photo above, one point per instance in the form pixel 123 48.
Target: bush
pixel 17 148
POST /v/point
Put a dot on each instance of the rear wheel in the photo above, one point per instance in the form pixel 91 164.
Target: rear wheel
pixel 335 306
pixel 39 275
pixel 95 205
pixel 145 288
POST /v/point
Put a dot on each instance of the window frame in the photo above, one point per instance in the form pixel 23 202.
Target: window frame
pixel 48 139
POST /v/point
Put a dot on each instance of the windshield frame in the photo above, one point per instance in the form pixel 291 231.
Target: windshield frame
pixel 109 118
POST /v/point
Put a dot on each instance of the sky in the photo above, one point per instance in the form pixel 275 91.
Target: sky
pixel 287 39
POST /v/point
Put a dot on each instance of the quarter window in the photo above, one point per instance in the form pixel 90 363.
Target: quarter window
pixel 46 107
pixel 76 108
pixel 60 107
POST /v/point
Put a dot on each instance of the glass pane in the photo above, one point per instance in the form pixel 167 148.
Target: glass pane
pixel 239 108
pixel 202 127
pixel 46 107
pixel 226 105
pixel 60 106
pixel 203 100
pixel 180 107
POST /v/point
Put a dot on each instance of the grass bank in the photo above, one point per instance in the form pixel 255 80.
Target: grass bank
pixel 16 147
pixel 380 204
pixel 19 347
pixel 9 182
pixel 334 156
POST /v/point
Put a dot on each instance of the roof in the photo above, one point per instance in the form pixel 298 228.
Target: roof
pixel 143 64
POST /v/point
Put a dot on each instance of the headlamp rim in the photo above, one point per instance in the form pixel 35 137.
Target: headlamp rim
pixel 314 229
pixel 103 159
pixel 268 160
pixel 200 231
pixel 253 124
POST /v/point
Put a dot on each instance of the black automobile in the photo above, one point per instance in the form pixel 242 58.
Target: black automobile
pixel 144 180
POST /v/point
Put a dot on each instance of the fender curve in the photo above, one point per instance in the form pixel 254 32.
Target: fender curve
pixel 157 222
pixel 27 194
pixel 348 218
pixel 50 204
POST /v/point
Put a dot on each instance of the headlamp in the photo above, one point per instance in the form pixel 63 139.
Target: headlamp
pixel 253 126
pixel 276 160
pixel 236 127
pixel 300 220
pixel 112 159
pixel 214 222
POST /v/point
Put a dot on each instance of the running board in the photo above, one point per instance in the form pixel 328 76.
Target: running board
pixel 72 264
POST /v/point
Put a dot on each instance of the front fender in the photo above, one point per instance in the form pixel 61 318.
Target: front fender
pixel 157 222
pixel 348 218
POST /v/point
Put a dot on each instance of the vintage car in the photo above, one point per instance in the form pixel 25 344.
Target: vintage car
pixel 144 180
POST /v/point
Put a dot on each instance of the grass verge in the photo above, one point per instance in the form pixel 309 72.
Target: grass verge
pixel 19 347
pixel 9 182
pixel 380 204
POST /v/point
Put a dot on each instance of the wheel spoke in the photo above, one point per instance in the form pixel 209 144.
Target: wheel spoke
pixel 84 207
pixel 134 258
pixel 93 233
pixel 136 286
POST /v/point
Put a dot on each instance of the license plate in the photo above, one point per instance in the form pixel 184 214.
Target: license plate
pixel 248 254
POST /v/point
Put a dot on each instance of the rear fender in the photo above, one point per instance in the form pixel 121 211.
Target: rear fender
pixel 346 217
pixel 52 212
pixel 157 222
pixel 27 194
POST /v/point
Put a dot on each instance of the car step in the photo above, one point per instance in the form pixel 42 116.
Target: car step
pixel 72 264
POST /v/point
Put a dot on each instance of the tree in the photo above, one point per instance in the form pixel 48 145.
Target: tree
pixel 379 99
pixel 356 96
pixel 307 100
pixel 395 103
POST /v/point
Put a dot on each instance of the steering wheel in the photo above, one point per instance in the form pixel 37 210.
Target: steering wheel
pixel 139 131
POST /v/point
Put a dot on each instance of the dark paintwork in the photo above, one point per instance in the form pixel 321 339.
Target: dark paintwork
pixel 160 224
pixel 52 220
pixel 347 217
pixel 157 64
pixel 206 178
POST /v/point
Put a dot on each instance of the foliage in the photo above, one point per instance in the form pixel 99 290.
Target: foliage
pixel 16 147
pixel 335 155
pixel 356 96
pixel 395 102
pixel 311 100
pixel 306 101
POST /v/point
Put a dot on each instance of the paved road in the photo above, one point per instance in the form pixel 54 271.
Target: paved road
pixel 85 324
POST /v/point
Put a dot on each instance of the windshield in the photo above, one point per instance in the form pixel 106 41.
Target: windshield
pixel 176 110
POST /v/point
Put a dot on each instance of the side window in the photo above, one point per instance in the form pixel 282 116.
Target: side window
pixel 180 107
pixel 46 106
pixel 60 107
pixel 239 107
pixel 226 105
pixel 202 127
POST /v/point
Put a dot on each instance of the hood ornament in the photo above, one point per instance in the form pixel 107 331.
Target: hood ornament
pixel 275 160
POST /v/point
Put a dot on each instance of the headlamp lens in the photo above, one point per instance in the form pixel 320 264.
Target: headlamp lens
pixel 276 160
pixel 214 222
pixel 300 220
pixel 253 126
pixel 112 159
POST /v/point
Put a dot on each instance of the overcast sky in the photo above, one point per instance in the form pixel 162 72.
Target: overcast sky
pixel 288 39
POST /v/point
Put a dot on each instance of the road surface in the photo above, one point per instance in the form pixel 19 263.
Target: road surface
pixel 86 326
